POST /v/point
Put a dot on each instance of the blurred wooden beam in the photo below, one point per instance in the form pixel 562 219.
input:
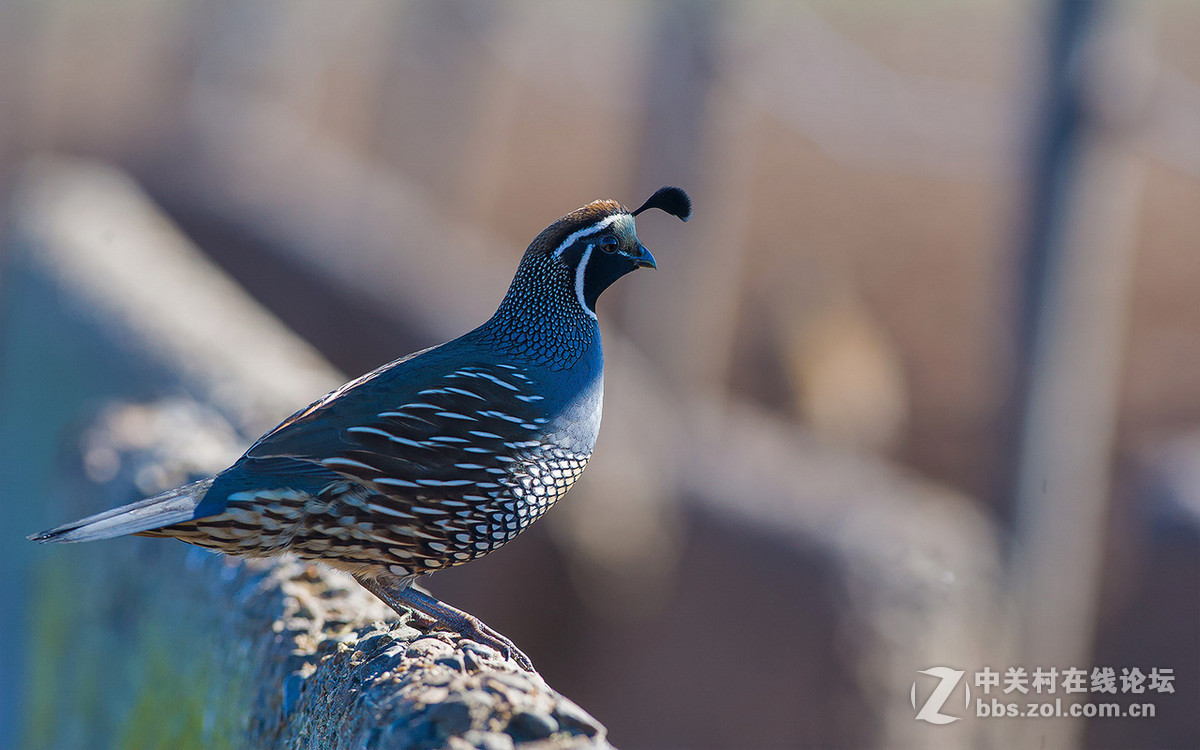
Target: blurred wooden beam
pixel 1076 262
pixel 697 135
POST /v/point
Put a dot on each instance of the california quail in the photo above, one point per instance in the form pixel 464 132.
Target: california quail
pixel 437 458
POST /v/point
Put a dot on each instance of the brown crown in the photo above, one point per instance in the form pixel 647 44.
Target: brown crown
pixel 552 236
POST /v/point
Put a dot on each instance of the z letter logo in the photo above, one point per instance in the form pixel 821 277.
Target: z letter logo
pixel 931 711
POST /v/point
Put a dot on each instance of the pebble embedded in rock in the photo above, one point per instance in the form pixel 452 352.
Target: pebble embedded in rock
pixel 486 652
pixel 531 725
pixel 433 695
pixel 437 677
pixel 501 682
pixel 489 740
pixel 371 642
pixel 453 661
pixel 449 718
pixel 575 720
pixel 477 697
pixel 431 647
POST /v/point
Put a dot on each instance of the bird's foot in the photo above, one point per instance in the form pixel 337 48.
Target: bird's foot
pixel 474 629
pixel 410 602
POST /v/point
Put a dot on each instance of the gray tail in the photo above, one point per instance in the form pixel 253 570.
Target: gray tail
pixel 174 506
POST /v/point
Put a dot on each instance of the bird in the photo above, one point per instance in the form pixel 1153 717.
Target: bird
pixel 437 458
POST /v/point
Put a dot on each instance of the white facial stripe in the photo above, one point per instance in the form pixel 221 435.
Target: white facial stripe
pixel 574 236
pixel 580 270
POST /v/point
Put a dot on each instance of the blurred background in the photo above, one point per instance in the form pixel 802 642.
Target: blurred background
pixel 919 384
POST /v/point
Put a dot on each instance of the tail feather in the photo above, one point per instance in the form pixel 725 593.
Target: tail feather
pixel 174 506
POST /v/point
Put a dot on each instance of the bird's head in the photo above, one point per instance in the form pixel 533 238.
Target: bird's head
pixel 593 246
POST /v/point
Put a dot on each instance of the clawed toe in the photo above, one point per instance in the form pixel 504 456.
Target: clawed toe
pixel 510 651
pixel 480 633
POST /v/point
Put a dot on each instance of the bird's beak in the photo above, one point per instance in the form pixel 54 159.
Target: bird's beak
pixel 642 258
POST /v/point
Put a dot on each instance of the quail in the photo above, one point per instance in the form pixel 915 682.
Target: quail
pixel 434 459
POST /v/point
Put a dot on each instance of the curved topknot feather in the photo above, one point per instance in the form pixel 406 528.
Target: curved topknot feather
pixel 670 199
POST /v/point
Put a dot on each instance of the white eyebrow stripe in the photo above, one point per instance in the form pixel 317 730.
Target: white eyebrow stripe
pixel 574 236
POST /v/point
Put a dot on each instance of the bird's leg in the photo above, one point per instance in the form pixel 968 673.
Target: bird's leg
pixel 404 597
pixel 384 590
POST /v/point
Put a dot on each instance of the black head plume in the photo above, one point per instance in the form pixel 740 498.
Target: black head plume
pixel 670 199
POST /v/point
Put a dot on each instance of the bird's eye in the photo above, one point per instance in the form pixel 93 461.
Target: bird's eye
pixel 608 243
